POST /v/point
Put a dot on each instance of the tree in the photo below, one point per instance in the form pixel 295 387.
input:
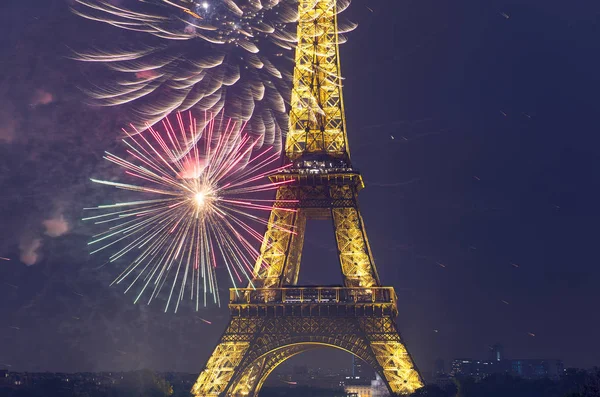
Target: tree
pixel 591 387
pixel 434 391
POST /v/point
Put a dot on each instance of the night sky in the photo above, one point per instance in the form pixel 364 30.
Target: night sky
pixel 474 124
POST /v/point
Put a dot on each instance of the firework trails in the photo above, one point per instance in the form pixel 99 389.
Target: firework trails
pixel 208 55
pixel 191 213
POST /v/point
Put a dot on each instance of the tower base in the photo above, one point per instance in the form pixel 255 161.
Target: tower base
pixel 269 326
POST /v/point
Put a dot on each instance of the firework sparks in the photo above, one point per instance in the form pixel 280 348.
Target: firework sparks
pixel 204 55
pixel 191 213
pixel 204 320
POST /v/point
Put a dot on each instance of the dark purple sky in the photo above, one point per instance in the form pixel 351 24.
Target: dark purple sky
pixel 492 106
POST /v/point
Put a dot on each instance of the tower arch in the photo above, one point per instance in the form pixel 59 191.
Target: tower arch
pixel 271 360
pixel 252 377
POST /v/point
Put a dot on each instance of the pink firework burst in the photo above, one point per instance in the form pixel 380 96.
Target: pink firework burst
pixel 198 196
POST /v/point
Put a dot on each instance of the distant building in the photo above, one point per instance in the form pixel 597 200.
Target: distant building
pixel 439 376
pixel 358 383
pixel 376 388
pixel 474 368
pixel 443 380
pixel 302 375
pixel 537 369
pixel 358 390
pixel 4 379
pixel 362 372
pixel 524 368
pixel 496 352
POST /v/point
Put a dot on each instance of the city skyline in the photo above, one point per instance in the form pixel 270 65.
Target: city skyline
pixel 471 124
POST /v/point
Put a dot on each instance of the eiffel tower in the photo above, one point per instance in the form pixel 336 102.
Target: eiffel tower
pixel 274 319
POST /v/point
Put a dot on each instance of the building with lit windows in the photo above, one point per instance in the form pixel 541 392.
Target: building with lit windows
pixel 477 369
pixel 524 368
pixel 496 352
pixel 537 369
pixel 376 388
pixel 362 371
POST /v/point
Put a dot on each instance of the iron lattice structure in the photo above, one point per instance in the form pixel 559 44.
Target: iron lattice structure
pixel 274 319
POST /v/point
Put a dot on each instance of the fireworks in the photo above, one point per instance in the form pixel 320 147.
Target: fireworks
pixel 190 213
pixel 207 55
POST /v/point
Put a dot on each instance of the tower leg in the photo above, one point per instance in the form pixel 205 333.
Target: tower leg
pixel 226 358
pixel 396 365
pixel 356 260
pixel 282 244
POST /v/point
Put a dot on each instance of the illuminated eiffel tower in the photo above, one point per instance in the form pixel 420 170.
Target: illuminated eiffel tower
pixel 275 319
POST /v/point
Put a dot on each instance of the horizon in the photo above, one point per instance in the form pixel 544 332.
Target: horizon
pixel 472 125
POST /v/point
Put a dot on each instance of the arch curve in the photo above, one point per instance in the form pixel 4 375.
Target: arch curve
pixel 254 372
pixel 313 346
